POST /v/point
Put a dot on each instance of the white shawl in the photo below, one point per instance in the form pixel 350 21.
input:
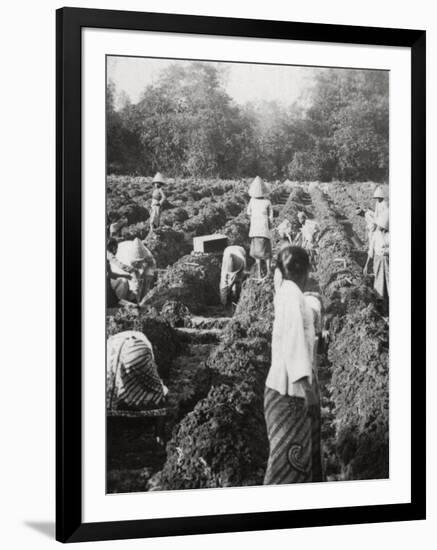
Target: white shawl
pixel 293 341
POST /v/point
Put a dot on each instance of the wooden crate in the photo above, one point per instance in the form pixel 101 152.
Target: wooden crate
pixel 210 243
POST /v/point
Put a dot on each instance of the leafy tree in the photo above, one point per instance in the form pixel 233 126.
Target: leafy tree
pixel 348 119
pixel 186 124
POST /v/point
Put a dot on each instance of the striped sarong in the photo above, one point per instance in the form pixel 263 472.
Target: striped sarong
pixel 132 378
pixel 294 437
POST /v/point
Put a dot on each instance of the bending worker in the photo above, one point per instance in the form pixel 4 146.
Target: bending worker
pixel 133 382
pixel 117 284
pixel 309 231
pixel 136 261
pixel 284 229
pixel 232 274
pixel 158 198
pixel 260 211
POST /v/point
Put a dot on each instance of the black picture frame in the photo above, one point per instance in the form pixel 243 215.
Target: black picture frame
pixel 69 525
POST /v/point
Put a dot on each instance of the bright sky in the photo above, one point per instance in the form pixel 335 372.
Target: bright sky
pixel 243 81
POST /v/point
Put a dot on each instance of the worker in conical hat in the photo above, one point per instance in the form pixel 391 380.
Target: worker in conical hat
pixel 134 259
pixel 260 211
pixel 158 198
pixel 379 252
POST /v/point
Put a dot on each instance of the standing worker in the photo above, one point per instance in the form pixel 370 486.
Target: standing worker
pixel 232 274
pixel 291 398
pixel 379 244
pixel 260 211
pixel 158 198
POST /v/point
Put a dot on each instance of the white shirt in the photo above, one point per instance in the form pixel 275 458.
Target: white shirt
pixel 379 207
pixel 379 243
pixel 379 238
pixel 261 217
pixel 293 341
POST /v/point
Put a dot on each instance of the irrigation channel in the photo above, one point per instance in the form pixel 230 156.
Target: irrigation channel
pixel 215 362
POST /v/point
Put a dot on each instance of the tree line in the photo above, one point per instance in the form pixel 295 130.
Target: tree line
pixel 187 125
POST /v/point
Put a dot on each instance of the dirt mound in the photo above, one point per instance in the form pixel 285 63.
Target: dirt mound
pixel 193 281
pixel 166 245
pixel 254 312
pixel 359 354
pixel 204 451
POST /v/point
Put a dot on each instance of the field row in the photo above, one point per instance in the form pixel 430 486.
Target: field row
pixel 224 394
pixel 358 352
pixel 203 450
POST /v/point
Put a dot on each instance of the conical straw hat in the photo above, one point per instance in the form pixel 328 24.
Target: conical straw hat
pixel 258 188
pixel 159 178
pixel 132 251
pixel 379 193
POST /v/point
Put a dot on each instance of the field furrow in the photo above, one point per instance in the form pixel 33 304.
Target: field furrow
pixel 215 364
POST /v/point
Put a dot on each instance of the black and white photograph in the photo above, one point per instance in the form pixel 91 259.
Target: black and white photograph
pixel 247 274
pixel 218 287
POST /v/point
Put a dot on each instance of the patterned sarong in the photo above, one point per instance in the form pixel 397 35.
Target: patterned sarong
pixel 132 378
pixel 294 436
